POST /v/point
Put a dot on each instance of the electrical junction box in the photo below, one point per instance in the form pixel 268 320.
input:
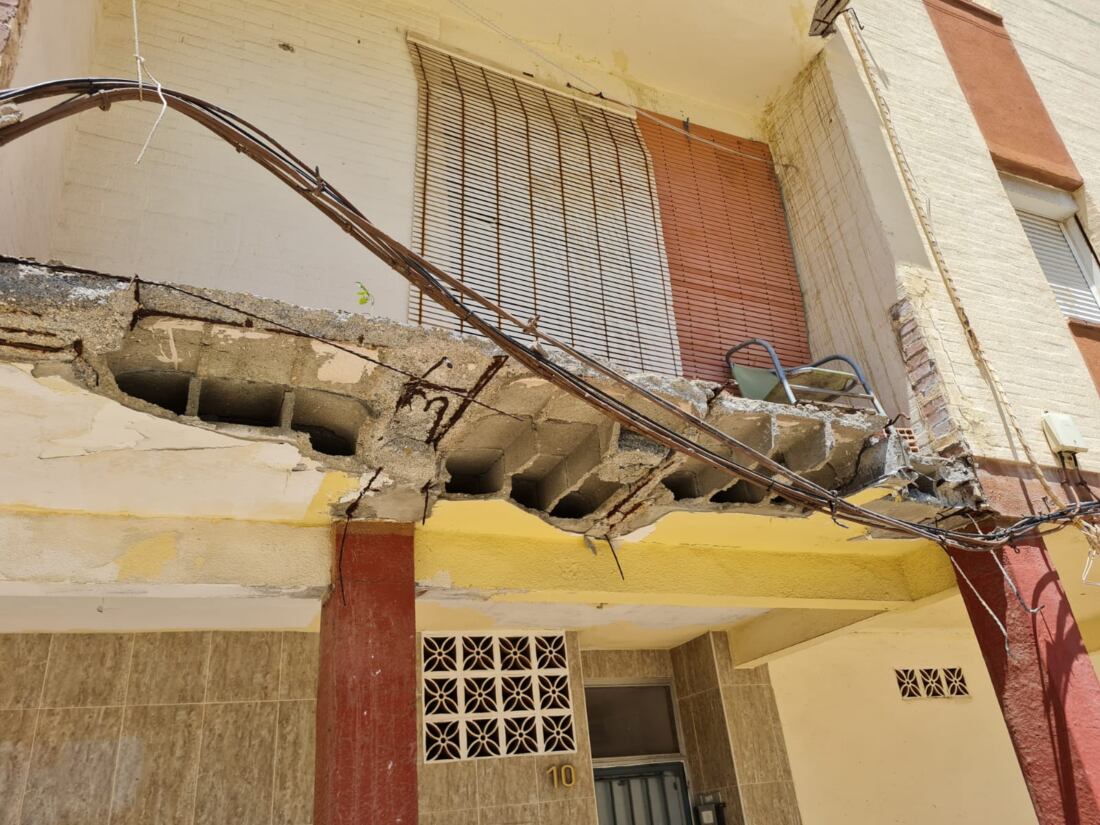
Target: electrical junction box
pixel 1062 433
pixel 710 813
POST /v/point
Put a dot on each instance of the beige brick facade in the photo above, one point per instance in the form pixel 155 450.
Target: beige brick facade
pixel 1003 290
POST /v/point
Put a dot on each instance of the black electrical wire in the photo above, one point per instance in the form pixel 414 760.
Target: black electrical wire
pixel 87 93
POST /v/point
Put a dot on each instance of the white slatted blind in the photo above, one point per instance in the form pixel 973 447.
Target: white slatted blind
pixel 545 205
pixel 1061 265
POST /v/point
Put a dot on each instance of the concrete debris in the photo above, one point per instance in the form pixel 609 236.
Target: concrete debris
pixel 9 115
pixel 431 413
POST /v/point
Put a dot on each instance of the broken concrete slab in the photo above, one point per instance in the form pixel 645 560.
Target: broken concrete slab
pixel 428 413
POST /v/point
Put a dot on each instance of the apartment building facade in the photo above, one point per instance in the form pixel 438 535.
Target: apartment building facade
pixel 287 540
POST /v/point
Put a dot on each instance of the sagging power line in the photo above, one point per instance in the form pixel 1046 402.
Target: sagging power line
pixel 87 93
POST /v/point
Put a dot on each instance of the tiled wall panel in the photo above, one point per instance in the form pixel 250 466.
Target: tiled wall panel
pixel 166 728
pixel 733 737
pixel 619 665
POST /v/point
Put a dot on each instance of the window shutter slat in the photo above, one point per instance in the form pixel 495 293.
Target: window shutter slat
pixel 1061 267
pixel 546 205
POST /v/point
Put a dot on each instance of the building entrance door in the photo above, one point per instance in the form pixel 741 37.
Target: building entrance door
pixel 639 768
pixel 643 795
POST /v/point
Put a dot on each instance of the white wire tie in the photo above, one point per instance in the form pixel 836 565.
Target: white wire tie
pixel 1012 584
pixel 988 609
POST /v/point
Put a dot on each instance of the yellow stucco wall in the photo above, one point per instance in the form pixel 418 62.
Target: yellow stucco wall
pixel 495 550
pixel 859 753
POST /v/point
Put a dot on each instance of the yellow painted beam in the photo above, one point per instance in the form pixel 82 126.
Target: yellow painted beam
pixel 780 632
pixel 491 549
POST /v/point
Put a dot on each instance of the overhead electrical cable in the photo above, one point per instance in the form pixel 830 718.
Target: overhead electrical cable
pixel 87 93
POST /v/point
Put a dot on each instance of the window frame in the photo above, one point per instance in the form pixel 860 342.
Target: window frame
pixel 1082 250
pixel 1058 205
pixel 641 759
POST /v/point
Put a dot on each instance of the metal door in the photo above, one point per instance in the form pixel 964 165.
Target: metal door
pixel 643 795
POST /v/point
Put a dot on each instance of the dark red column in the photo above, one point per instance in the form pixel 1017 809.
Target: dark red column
pixel 366 694
pixel 1045 681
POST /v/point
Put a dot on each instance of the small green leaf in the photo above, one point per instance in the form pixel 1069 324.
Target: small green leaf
pixel 364 294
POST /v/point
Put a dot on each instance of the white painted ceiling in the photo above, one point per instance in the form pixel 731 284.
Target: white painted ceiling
pixel 732 54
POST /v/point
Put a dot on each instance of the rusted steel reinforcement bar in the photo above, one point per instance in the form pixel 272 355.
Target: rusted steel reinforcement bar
pixel 88 93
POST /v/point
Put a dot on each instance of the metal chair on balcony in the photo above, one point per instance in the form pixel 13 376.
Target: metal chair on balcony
pixel 806 384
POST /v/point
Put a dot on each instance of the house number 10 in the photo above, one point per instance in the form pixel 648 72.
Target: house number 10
pixel 563 776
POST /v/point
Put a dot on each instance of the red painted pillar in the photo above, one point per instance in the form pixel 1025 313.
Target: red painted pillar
pixel 1045 682
pixel 366 693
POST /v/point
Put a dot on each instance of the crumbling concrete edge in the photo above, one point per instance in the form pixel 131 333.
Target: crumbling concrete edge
pixel 436 414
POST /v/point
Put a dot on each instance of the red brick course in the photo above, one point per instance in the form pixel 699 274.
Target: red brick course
pixel 936 428
pixel 1016 125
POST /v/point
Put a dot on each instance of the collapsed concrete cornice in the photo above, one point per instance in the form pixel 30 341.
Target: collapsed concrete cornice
pixel 434 413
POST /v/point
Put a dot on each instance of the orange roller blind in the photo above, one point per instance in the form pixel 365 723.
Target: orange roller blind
pixel 729 253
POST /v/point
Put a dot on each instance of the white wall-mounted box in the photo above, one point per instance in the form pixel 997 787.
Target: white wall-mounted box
pixel 1062 433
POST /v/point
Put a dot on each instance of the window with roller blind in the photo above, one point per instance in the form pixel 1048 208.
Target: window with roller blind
pixel 729 253
pixel 545 204
pixel 1049 219
pixel 1067 263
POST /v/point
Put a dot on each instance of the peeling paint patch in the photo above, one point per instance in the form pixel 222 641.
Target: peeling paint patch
pixel 147 559
pixel 441 578
pixel 85 293
pixel 335 487
pixel 342 367
pixel 171 356
pixel 108 432
pixel 181 324
pixel 639 534
pixel 235 334
pixel 59 384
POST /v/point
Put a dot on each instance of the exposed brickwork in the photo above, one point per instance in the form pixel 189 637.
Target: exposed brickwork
pixel 13 16
pixel 729 254
pixel 936 427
